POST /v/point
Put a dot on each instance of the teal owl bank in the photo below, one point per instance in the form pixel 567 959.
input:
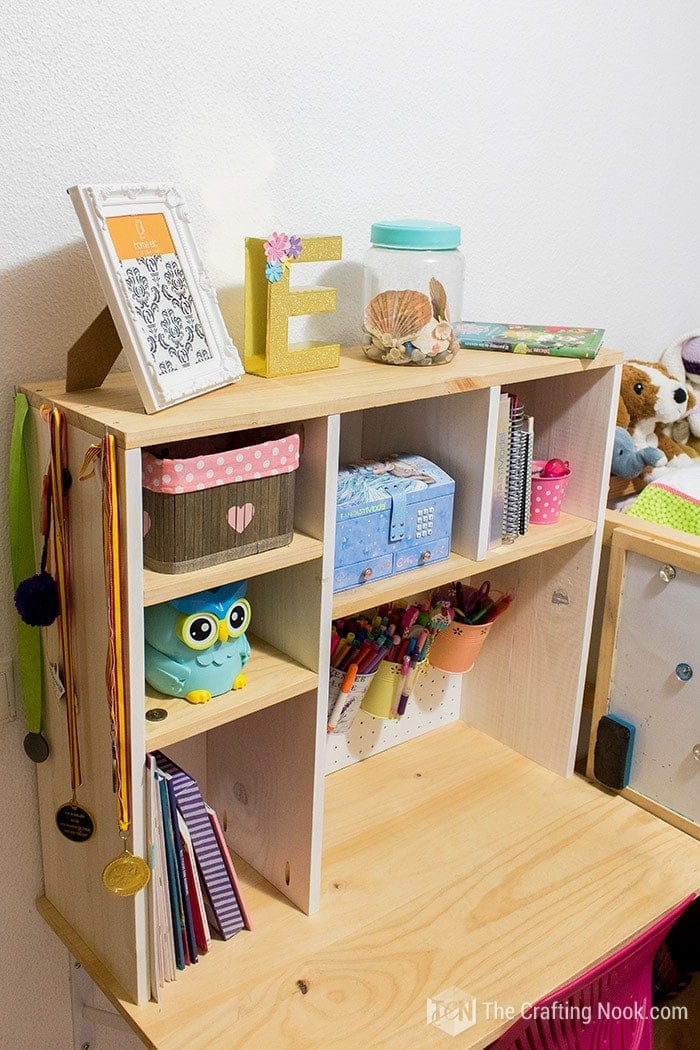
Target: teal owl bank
pixel 196 646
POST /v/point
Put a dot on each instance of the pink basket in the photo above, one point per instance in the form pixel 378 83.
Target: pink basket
pixel 546 496
pixel 606 1008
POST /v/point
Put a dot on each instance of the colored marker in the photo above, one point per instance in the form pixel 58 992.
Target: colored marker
pixel 402 693
pixel 340 703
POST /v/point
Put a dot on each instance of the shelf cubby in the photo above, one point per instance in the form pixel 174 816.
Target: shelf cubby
pixel 163 587
pixel 272 678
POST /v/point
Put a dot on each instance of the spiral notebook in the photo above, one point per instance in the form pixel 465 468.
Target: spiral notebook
pixel 500 473
pixel 516 513
pixel 526 489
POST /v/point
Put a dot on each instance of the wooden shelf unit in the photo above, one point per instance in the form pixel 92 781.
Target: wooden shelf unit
pixel 260 754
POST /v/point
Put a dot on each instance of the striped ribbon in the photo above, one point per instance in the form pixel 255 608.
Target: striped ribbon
pixel 61 539
pixel 115 674
pixel 115 667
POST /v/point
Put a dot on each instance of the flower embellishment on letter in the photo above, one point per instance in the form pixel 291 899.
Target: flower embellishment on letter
pixel 279 249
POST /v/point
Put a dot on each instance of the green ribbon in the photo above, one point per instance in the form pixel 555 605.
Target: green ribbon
pixel 22 554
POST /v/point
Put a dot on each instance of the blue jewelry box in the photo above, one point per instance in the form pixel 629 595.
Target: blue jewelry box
pixel 392 515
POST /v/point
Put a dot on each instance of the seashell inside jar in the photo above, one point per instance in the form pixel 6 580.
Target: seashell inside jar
pixel 406 327
pixel 413 275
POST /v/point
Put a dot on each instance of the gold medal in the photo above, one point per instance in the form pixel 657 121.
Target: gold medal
pixel 126 874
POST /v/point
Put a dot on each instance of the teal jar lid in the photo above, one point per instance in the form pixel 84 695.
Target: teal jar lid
pixel 416 234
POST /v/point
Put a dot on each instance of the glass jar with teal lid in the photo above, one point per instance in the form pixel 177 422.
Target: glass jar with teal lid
pixel 413 286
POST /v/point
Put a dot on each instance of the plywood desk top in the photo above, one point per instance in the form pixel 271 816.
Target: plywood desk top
pixel 450 861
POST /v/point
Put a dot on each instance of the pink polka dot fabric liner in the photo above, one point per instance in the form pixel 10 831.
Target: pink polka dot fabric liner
pixel 173 476
pixel 546 497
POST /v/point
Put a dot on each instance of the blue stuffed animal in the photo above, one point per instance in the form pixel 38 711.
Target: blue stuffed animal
pixel 196 647
pixel 628 461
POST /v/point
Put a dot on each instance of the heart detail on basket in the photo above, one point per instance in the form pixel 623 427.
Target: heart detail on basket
pixel 146 522
pixel 239 518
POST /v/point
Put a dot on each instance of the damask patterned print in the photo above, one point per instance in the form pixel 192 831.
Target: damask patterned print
pixel 165 312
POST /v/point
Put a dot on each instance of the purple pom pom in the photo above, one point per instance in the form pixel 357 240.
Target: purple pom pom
pixel 690 352
pixel 36 600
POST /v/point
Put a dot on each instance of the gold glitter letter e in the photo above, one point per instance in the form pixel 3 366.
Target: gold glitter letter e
pixel 270 303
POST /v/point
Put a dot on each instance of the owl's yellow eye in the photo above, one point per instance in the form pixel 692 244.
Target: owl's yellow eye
pixel 238 618
pixel 198 631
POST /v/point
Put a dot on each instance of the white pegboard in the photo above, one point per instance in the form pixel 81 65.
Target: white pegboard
pixel 435 702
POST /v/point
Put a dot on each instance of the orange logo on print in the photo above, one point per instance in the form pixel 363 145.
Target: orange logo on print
pixel 138 236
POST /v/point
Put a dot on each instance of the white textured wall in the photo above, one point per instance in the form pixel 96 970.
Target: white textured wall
pixel 562 137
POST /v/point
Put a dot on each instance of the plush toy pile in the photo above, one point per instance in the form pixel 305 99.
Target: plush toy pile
pixel 653 402
pixel 628 461
pixel 656 458
pixel 682 359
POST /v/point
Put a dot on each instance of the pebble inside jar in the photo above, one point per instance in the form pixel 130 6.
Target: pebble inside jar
pixel 413 286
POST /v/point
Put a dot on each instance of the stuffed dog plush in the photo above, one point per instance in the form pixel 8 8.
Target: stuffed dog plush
pixel 682 359
pixel 650 399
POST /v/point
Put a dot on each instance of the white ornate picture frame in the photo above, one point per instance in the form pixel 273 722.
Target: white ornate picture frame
pixel 160 297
